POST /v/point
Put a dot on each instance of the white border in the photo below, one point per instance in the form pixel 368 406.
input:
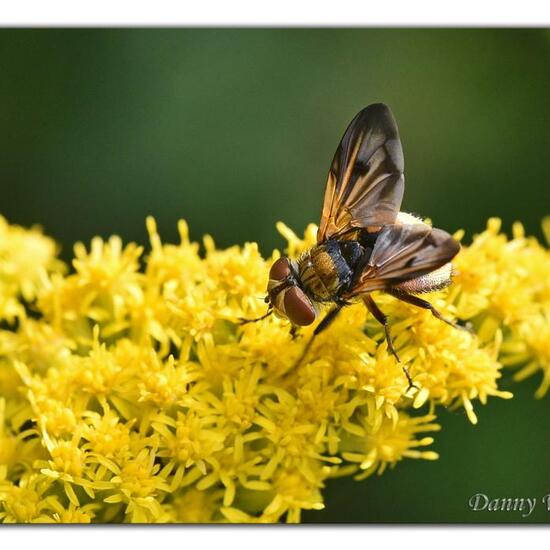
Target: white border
pixel 275 13
pixel 271 537
pixel 244 13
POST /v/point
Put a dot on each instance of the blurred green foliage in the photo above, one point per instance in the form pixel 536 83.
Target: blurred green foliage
pixel 234 129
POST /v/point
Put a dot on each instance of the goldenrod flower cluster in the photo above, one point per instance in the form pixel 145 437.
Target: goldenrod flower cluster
pixel 130 393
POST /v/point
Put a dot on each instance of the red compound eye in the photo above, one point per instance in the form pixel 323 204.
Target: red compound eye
pixel 298 308
pixel 280 270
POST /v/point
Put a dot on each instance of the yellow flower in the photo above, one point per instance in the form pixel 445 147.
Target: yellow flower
pixel 73 514
pixel 137 484
pixel 188 441
pixel 105 288
pixel 26 256
pixel 19 446
pixel 529 348
pixel 293 493
pixel 392 441
pixel 25 500
pixel 193 506
pixel 105 433
pixel 503 287
pixel 132 393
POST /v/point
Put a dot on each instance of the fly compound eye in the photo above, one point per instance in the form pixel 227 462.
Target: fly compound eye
pixel 298 307
pixel 280 270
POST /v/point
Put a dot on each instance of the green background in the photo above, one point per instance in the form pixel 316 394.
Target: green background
pixel 234 129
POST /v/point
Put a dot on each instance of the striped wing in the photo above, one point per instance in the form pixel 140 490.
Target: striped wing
pixel 365 182
pixel 404 252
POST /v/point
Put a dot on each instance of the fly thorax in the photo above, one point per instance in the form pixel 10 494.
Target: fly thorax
pixel 323 271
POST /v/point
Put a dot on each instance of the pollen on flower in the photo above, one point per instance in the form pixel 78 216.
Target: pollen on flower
pixel 106 435
pixel 130 392
pixel 391 442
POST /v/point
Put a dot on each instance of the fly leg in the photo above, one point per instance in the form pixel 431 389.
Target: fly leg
pixel 424 304
pixel 327 320
pixel 245 321
pixel 383 320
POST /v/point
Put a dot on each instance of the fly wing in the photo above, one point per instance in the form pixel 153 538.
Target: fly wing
pixel 365 183
pixel 404 252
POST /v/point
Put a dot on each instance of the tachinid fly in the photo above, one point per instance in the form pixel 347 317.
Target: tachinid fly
pixel 364 242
